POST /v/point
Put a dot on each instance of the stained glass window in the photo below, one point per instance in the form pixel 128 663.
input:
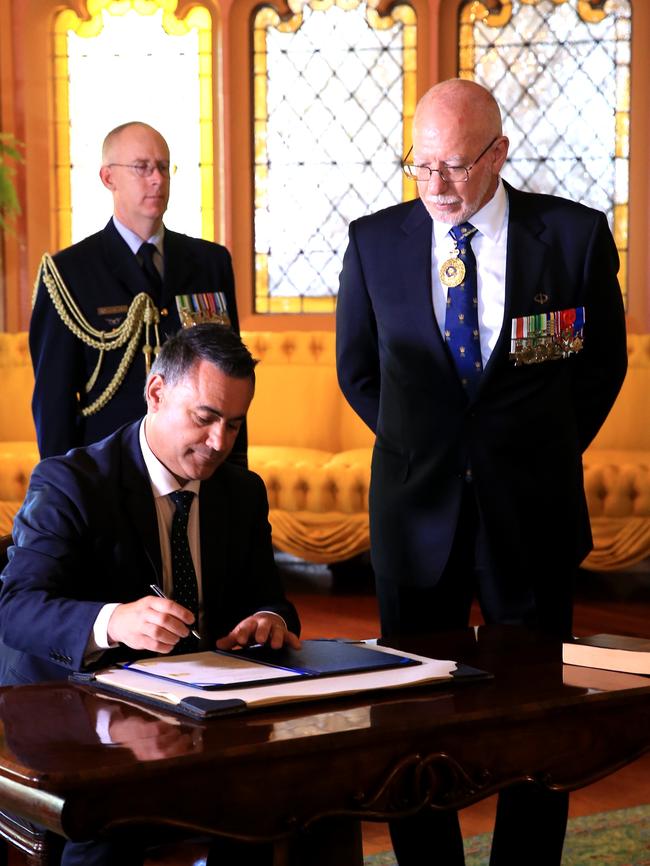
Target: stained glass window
pixel 560 70
pixel 133 60
pixel 334 93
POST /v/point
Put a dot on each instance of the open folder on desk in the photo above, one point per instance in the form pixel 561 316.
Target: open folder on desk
pixel 274 685
pixel 260 664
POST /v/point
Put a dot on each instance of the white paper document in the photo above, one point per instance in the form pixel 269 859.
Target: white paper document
pixel 131 680
pixel 209 669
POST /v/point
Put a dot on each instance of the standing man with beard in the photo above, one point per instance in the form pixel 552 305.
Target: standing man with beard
pixel 481 336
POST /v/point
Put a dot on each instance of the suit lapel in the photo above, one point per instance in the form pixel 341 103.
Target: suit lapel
pixel 139 503
pixel 181 269
pixel 417 233
pixel 121 262
pixel 527 275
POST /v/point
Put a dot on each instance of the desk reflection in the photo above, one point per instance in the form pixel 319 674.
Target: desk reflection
pixel 44 733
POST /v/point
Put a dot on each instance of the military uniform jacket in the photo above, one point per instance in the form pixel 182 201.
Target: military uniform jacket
pixel 104 277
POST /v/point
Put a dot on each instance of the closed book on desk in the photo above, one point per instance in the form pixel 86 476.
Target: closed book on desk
pixel 201 702
pixel 610 652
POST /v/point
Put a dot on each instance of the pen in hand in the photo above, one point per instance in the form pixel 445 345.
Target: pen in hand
pixel 155 588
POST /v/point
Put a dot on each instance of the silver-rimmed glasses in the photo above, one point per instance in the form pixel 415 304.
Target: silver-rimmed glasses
pixel 145 168
pixel 447 174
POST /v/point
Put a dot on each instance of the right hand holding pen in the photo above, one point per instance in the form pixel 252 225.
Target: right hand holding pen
pixel 150 623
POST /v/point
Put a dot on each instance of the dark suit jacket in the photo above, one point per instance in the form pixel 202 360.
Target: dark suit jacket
pixel 102 274
pixel 524 431
pixel 87 534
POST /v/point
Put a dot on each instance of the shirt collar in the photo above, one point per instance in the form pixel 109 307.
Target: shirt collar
pixel 489 220
pixel 134 241
pixel 162 481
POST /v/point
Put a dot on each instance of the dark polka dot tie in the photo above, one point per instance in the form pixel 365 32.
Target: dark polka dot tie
pixel 185 589
pixel 461 319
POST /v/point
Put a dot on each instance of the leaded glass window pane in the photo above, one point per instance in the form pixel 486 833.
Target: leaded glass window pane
pixel 132 61
pixel 334 91
pixel 561 73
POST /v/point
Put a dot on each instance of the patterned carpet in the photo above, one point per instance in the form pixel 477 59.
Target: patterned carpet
pixel 620 838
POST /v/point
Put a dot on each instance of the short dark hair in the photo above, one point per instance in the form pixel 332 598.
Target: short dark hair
pixel 217 344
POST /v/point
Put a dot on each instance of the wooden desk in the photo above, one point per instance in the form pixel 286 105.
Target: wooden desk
pixel 305 775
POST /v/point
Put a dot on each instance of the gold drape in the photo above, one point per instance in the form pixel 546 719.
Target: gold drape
pixel 323 538
pixel 619 543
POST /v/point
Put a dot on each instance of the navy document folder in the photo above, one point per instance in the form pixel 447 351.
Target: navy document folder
pixel 216 683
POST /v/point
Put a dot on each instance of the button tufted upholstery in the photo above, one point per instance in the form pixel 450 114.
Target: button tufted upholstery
pixel 314 453
pixel 308 445
pixel 18 449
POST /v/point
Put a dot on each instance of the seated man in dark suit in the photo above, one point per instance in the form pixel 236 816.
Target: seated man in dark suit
pixel 154 503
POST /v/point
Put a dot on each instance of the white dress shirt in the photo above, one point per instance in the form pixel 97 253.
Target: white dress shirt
pixel 162 484
pixel 489 245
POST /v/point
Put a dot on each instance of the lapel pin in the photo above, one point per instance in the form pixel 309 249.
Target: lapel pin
pixel 541 298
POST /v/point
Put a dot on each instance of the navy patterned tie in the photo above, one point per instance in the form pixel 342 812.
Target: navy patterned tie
pixel 461 319
pixel 151 272
pixel 185 589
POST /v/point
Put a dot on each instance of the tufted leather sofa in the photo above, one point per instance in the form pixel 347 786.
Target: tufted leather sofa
pixel 617 470
pixel 314 453
pixel 18 450
pixel 311 449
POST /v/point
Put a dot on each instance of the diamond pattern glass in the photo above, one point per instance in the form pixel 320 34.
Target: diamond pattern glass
pixel 334 94
pixel 561 73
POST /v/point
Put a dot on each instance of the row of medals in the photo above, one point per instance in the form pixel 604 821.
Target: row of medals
pixel 527 351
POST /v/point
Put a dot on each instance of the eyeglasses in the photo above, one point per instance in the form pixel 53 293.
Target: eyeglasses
pixel 447 174
pixel 146 169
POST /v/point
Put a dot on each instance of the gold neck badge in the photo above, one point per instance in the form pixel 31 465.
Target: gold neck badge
pixel 452 272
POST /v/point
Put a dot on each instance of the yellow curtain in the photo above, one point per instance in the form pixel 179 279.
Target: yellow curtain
pixel 619 543
pixel 323 538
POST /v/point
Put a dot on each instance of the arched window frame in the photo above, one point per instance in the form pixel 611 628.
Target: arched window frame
pixel 89 26
pixel 267 19
pixel 242 159
pixel 498 16
pixel 638 265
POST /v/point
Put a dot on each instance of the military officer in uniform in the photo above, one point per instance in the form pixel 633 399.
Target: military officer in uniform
pixel 103 306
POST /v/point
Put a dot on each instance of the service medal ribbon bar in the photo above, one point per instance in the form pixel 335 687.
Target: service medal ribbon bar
pixel 202 307
pixel 547 336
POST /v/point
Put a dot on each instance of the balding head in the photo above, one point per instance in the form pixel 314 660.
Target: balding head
pixel 458 123
pixel 464 105
pixel 115 135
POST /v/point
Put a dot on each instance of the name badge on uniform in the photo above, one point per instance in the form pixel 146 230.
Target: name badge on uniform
pixel 547 336
pixel 202 307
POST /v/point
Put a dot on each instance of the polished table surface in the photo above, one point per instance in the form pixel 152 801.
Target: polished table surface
pixel 304 774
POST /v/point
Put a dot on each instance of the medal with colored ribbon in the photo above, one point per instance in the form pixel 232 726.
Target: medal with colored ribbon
pixel 202 307
pixel 547 336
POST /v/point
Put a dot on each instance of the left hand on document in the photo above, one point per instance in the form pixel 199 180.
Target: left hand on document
pixel 260 628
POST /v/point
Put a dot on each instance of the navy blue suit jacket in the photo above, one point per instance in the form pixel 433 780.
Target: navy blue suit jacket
pixel 523 433
pixel 87 534
pixel 104 276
